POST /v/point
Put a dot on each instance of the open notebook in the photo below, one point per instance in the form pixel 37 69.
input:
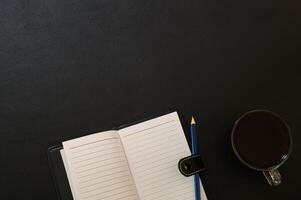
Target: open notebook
pixel 139 162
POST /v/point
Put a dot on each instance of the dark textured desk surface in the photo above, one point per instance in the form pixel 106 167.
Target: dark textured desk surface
pixel 69 68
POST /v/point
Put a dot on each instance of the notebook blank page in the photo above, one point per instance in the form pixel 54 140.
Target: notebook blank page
pixel 153 149
pixel 98 169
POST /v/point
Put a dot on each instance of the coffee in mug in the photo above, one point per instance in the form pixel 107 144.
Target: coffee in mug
pixel 262 141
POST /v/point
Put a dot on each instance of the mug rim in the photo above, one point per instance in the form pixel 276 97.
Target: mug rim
pixel 273 167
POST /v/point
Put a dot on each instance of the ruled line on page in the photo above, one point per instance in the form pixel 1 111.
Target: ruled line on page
pixel 100 172
pixel 119 193
pixel 159 179
pixel 177 185
pixel 115 193
pixel 95 145
pixel 158 125
pixel 99 178
pixel 158 172
pixel 185 193
pixel 127 197
pixel 102 180
pixel 125 193
pixel 108 187
pixel 156 164
pixel 154 154
pixel 152 167
pixel 106 147
pixel 151 138
pixel 162 185
pixel 103 169
pixel 85 144
pixel 153 142
pixel 181 196
pixel 164 152
pixel 177 191
pixel 150 134
pixel 103 161
pixel 97 187
pixel 99 168
pixel 156 159
pixel 82 179
pixel 158 151
pixel 92 158
pixel 96 152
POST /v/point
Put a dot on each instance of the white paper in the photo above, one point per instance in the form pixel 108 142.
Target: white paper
pixel 98 168
pixel 153 149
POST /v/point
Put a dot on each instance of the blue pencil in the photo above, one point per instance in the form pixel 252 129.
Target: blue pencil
pixel 194 148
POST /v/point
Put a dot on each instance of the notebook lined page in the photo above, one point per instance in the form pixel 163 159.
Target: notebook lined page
pixel 153 149
pixel 98 169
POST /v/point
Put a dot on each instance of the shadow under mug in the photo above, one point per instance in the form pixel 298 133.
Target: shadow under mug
pixel 262 141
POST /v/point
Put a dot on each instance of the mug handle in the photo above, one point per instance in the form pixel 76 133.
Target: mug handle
pixel 273 177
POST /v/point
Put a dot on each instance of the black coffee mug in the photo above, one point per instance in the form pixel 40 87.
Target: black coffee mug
pixel 262 141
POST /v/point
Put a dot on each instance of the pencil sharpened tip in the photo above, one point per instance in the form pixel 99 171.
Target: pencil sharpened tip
pixel 192 120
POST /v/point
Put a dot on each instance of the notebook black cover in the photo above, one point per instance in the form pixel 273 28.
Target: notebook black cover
pixel 59 174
